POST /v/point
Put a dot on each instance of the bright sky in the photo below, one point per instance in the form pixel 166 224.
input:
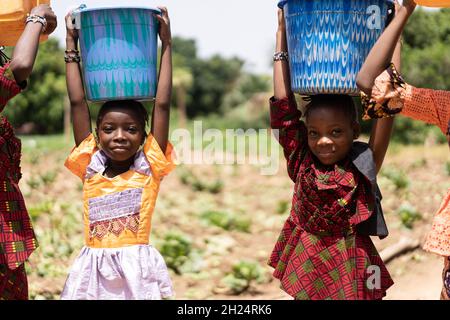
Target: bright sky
pixel 243 28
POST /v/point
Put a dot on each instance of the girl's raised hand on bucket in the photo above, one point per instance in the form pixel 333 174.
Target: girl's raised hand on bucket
pixel 45 11
pixel 164 26
pixel 72 32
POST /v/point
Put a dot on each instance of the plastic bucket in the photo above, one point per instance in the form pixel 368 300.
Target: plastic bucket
pixel 119 52
pixel 434 3
pixel 328 41
pixel 13 14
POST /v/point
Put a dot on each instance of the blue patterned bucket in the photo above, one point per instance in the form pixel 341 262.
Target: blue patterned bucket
pixel 328 41
pixel 119 52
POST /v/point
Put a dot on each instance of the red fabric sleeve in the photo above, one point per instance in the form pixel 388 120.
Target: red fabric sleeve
pixel 291 131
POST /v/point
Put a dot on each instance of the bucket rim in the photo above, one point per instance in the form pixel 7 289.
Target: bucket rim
pixel 282 3
pixel 155 10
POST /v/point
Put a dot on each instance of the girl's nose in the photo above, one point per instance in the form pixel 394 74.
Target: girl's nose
pixel 324 141
pixel 119 135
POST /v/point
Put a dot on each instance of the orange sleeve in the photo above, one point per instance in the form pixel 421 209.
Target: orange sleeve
pixel 427 105
pixel 80 157
pixel 161 164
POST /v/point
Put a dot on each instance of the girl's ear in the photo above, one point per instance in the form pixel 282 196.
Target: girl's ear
pixel 143 137
pixel 96 137
pixel 356 130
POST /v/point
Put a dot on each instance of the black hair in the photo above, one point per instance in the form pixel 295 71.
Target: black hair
pixel 132 105
pixel 342 102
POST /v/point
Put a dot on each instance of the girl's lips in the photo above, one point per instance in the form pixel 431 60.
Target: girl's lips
pixel 326 154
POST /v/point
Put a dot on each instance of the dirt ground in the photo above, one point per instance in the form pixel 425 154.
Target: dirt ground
pixel 246 193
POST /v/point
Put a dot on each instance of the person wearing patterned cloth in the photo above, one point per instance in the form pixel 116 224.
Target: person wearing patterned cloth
pixel 324 250
pixel 17 238
pixel 384 93
pixel 120 185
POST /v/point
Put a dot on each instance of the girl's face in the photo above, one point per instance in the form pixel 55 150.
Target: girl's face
pixel 330 134
pixel 120 134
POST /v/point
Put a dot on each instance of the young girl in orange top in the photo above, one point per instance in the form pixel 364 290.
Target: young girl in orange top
pixel 384 93
pixel 121 184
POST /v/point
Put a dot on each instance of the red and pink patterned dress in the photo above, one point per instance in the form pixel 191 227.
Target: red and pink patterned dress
pixel 319 254
pixel 17 239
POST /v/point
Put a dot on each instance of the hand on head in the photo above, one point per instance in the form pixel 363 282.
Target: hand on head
pixel 45 11
pixel 164 25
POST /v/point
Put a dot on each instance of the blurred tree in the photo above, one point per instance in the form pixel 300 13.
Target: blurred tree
pixel 182 81
pixel 39 109
pixel 218 83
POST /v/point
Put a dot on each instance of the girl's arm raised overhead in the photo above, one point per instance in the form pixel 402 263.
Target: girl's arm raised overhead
pixel 381 54
pixel 78 105
pixel 161 111
pixel 281 75
pixel 382 128
pixel 27 47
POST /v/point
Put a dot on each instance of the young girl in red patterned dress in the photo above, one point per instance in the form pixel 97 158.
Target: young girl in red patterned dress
pixel 324 250
pixel 386 93
pixel 17 239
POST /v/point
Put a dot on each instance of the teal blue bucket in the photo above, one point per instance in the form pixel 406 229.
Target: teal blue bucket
pixel 119 52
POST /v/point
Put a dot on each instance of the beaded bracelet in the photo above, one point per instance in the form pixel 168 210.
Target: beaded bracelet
pixel 280 56
pixel 71 56
pixel 37 19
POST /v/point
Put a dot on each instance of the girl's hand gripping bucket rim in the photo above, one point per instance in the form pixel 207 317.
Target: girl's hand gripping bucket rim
pixel 76 13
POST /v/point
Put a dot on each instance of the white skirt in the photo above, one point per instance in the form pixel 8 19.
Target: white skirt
pixel 135 272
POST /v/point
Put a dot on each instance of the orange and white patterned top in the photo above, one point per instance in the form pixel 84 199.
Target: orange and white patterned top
pixel 391 95
pixel 118 211
pixel 438 240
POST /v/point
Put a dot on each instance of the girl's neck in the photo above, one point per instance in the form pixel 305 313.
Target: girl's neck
pixel 115 168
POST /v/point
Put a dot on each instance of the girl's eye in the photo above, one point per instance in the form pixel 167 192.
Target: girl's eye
pixel 336 132
pixel 132 129
pixel 312 134
pixel 107 129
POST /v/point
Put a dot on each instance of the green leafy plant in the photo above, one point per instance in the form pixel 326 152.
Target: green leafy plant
pixel 176 249
pixel 398 177
pixel 48 177
pixel 447 168
pixel 408 215
pixel 197 184
pixel 243 275
pixel 34 183
pixel 282 206
pixel 42 208
pixel 226 220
